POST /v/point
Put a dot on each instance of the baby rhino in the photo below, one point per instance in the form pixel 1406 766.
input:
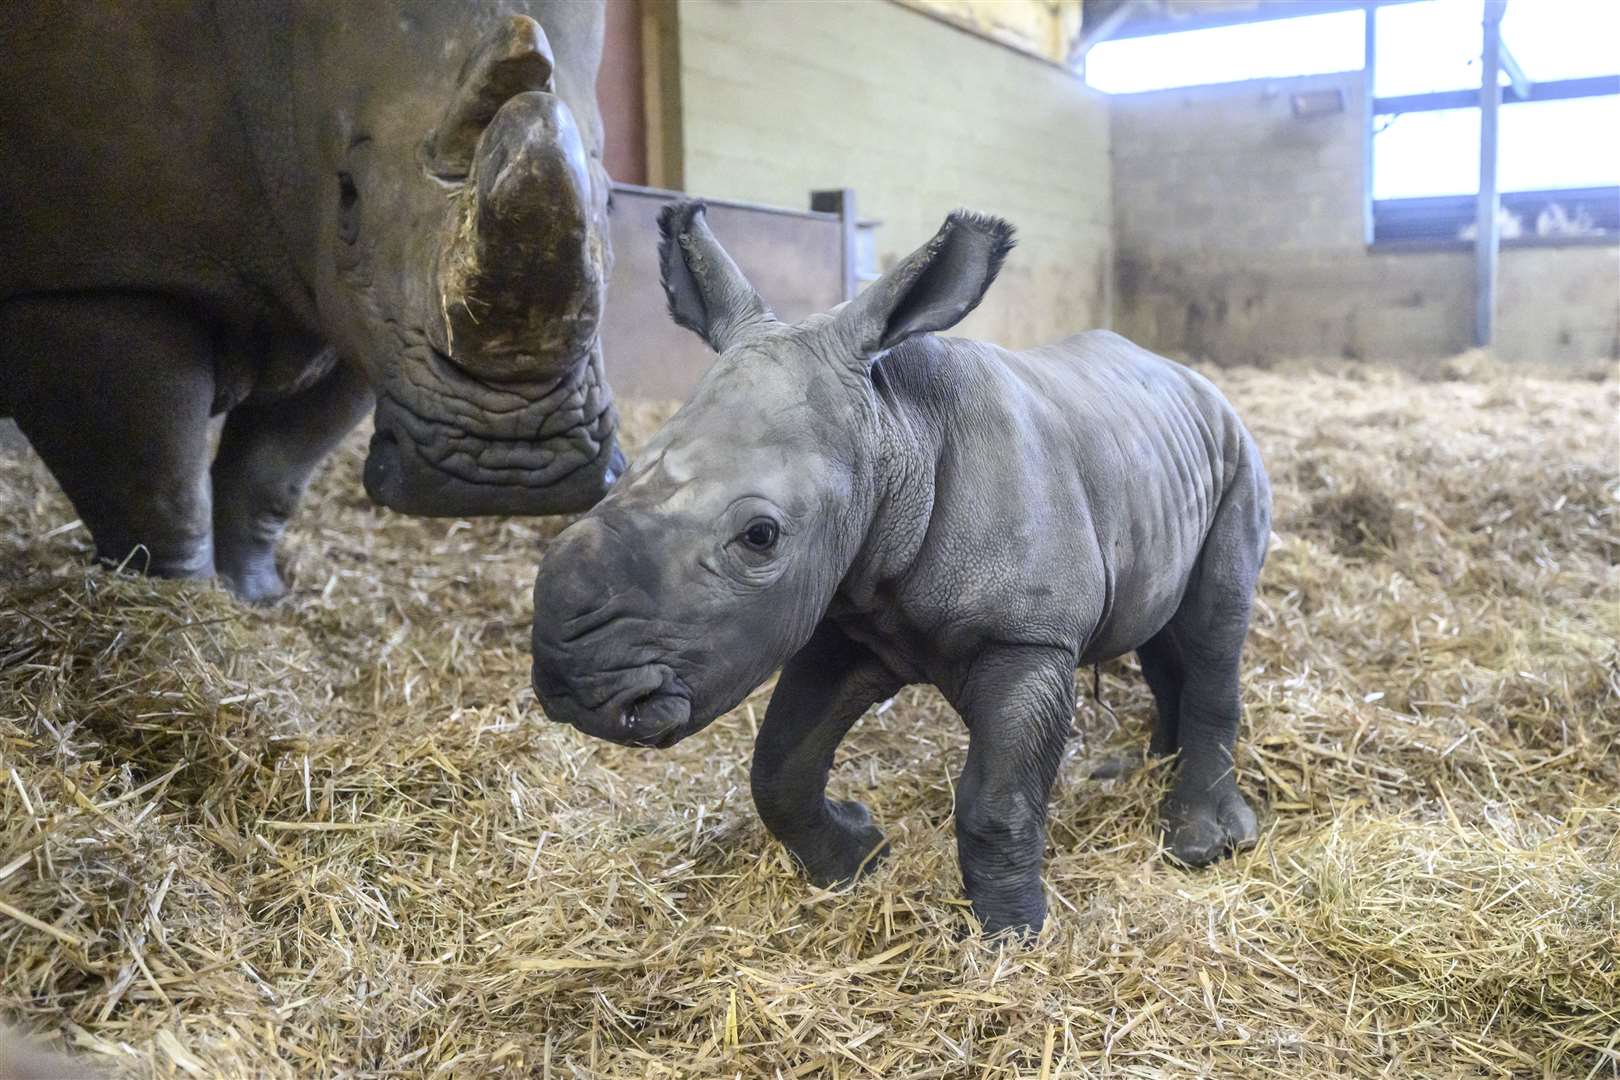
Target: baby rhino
pixel 867 505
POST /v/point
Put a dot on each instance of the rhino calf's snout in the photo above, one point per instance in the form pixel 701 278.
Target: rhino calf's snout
pixel 611 685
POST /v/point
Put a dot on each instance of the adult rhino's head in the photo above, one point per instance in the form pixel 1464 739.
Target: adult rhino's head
pixel 462 250
pixel 712 560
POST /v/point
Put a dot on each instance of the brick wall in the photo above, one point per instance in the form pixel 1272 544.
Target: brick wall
pixel 1240 239
pixel 779 97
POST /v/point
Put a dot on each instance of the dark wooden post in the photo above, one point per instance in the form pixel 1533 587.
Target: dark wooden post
pixel 841 201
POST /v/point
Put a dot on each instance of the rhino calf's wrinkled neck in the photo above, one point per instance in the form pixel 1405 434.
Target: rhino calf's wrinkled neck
pixel 866 504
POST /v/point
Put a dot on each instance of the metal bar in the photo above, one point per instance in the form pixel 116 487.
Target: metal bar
pixel 1518 81
pixel 1369 78
pixel 1414 203
pixel 1556 90
pixel 1111 24
pixel 1487 236
pixel 670 195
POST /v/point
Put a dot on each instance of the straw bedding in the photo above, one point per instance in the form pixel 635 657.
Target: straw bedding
pixel 336 838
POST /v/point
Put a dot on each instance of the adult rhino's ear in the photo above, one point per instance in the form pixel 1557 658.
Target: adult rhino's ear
pixel 931 289
pixel 707 293
pixel 514 57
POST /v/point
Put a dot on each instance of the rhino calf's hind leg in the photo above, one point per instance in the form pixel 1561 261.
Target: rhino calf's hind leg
pixel 267 454
pixel 114 392
pixel 1205 815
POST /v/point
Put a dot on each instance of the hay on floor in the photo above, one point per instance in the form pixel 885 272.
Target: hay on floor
pixel 335 837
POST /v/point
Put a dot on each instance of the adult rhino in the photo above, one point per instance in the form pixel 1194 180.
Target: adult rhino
pixel 284 212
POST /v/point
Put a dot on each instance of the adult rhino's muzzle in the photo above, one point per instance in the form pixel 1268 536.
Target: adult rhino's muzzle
pixel 447 446
pixel 594 667
pixel 500 405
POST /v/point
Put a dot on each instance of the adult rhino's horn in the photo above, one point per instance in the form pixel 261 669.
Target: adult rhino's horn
pixel 512 58
pixel 521 276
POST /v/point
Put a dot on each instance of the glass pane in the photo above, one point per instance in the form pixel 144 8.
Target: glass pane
pixel 1434 45
pixel 1543 145
pixel 1426 153
pixel 1310 45
pixel 1560 144
pixel 1563 39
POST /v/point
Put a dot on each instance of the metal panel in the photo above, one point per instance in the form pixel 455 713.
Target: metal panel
pixel 1553 90
pixel 794 258
pixel 1441 218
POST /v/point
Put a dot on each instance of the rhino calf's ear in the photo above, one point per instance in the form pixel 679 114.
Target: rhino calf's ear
pixel 706 291
pixel 933 288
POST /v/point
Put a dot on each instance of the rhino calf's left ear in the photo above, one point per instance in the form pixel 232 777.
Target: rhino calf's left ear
pixel 933 288
pixel 707 292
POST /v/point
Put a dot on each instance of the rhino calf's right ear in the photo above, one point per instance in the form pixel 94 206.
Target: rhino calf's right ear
pixel 933 288
pixel 706 291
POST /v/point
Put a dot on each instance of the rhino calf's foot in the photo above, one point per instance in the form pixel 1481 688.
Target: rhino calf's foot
pixel 1202 826
pixel 844 847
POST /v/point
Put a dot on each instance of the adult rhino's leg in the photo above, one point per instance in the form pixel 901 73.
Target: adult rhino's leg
pixel 114 392
pixel 1018 702
pixel 266 456
pixel 822 691
pixel 1205 814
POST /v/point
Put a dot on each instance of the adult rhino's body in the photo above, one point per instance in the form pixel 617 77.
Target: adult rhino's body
pixel 867 505
pixel 284 211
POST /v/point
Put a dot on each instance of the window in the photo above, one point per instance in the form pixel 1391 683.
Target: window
pixel 1423 47
pixel 1558 165
pixel 1308 45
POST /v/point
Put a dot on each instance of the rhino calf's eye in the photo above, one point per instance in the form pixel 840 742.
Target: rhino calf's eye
pixel 761 534
pixel 348 209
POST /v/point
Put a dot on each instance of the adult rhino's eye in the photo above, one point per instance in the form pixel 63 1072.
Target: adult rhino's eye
pixel 761 534
pixel 348 209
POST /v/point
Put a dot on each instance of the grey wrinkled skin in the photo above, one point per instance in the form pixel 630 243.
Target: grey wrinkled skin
pixel 945 512
pixel 289 211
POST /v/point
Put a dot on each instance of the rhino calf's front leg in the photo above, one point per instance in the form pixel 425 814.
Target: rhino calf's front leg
pixel 1018 702
pixel 266 456
pixel 823 690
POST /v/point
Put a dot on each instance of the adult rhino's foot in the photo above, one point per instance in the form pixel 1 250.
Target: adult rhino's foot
pixel 247 525
pixel 843 847
pixel 186 559
pixel 1203 822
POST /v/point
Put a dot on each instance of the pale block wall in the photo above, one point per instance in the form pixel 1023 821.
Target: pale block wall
pixel 780 97
pixel 1240 235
